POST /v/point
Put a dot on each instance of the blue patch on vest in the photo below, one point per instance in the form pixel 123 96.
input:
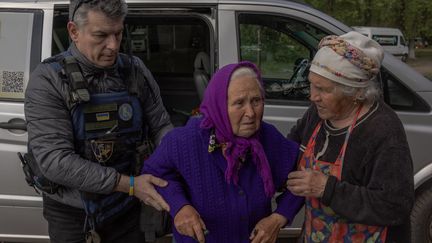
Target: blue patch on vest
pixel 125 112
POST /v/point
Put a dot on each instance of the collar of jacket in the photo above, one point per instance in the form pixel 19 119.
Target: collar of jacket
pixel 87 67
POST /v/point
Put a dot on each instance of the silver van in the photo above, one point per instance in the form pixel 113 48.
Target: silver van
pixel 391 39
pixel 183 42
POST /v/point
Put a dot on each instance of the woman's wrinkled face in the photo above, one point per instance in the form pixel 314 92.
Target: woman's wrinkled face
pixel 331 104
pixel 245 106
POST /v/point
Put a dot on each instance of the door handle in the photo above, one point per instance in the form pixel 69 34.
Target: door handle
pixel 16 123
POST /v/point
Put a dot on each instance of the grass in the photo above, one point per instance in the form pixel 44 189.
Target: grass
pixel 424 53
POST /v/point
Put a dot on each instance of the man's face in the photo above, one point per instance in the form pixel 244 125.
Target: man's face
pixel 99 38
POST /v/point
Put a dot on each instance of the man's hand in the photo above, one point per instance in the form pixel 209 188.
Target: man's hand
pixel 188 222
pixel 267 229
pixel 307 183
pixel 144 189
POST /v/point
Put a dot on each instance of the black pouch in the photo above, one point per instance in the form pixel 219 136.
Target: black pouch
pixel 34 176
pixel 154 223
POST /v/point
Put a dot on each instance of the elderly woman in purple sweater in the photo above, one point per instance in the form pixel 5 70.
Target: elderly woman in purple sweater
pixel 224 167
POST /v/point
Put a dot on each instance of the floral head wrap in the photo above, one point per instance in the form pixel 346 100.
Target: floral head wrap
pixel 351 59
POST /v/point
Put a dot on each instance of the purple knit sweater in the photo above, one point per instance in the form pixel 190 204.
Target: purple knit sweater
pixel 196 177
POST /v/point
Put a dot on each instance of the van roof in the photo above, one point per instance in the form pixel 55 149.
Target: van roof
pixel 295 4
pixel 299 5
pixel 195 1
pixel 375 28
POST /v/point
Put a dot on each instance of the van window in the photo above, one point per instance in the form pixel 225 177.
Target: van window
pixel 398 96
pixel 278 45
pixel 168 45
pixel 386 40
pixel 20 50
pixel 402 40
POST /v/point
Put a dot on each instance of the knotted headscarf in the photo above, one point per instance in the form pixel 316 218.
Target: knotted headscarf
pixel 351 59
pixel 214 108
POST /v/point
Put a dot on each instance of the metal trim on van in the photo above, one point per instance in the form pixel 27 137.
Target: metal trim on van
pixel 24 238
pixel 423 175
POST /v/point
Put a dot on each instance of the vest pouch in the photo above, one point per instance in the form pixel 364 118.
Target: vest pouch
pixel 107 208
pixel 154 223
pixel 111 153
pixel 143 152
pixel 117 152
pixel 34 176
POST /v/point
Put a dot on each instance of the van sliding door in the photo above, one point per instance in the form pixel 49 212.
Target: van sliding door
pixel 20 51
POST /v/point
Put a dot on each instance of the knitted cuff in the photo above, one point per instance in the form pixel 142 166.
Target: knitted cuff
pixel 329 190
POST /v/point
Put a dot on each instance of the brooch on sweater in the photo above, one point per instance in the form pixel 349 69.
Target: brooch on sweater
pixel 212 146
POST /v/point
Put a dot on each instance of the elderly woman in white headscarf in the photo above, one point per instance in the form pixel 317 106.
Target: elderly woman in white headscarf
pixel 355 168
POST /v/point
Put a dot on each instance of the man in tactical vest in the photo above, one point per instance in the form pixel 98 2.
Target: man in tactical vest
pixel 91 112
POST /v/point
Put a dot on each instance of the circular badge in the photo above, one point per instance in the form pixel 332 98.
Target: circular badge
pixel 125 112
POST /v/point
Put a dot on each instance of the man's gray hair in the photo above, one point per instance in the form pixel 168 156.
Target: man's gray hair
pixel 114 9
pixel 367 95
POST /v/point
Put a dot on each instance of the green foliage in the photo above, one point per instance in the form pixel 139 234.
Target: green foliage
pixel 413 17
pixel 270 50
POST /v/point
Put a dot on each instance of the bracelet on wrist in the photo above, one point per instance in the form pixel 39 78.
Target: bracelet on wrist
pixel 131 185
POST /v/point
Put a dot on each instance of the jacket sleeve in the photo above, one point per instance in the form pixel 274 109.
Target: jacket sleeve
pixel 155 113
pixel 162 164
pixel 51 138
pixel 387 198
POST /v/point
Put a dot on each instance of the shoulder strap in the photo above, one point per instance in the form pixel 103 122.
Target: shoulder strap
pixel 78 84
pixel 126 72
pixel 69 71
pixel 131 71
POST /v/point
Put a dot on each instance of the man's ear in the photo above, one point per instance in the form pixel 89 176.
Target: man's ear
pixel 73 31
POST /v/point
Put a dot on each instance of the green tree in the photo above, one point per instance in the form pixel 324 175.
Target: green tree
pixel 413 17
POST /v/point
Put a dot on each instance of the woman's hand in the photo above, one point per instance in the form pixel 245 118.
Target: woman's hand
pixel 188 222
pixel 307 183
pixel 267 229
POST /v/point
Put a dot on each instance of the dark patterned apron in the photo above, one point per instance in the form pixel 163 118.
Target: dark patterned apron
pixel 322 224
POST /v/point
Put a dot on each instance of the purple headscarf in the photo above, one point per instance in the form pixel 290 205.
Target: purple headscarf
pixel 214 107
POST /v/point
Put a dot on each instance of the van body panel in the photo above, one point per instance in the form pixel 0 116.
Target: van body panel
pixel 20 206
pixel 404 72
pixel 423 176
